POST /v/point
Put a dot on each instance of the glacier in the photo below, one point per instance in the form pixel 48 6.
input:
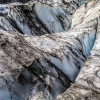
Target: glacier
pixel 44 48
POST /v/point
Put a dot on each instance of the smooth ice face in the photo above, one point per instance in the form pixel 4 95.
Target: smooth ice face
pixel 50 17
pixel 66 66
pixel 88 42
pixel 4 9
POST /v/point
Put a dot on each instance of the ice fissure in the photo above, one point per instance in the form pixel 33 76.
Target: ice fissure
pixel 44 17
